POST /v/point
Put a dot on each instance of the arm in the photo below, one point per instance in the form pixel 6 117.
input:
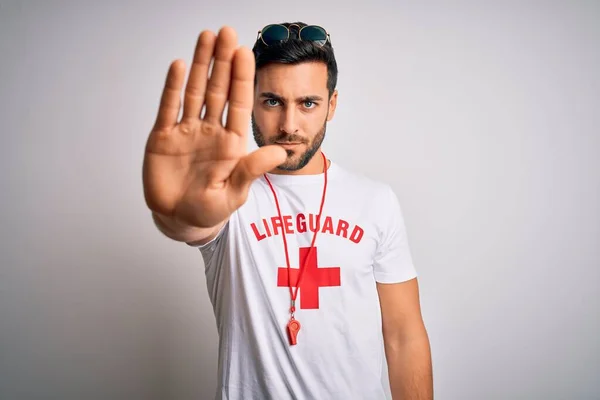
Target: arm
pixel 196 170
pixel 406 341
pixel 175 230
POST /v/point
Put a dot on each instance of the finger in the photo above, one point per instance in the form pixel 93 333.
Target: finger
pixel 196 86
pixel 255 164
pixel 241 95
pixel 170 101
pixel 218 86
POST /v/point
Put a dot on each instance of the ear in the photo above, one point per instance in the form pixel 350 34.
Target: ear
pixel 332 105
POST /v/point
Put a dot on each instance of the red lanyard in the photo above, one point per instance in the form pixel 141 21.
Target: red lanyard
pixel 294 326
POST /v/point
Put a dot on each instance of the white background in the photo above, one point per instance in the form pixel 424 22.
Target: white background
pixel 484 117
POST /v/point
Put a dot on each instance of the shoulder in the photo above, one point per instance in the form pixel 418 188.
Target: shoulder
pixel 376 189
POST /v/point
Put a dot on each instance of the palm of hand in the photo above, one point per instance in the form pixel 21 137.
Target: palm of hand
pixel 197 169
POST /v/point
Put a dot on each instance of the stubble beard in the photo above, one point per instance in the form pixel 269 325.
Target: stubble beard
pixel 293 161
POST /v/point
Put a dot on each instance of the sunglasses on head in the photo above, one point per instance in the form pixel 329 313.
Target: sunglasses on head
pixel 274 33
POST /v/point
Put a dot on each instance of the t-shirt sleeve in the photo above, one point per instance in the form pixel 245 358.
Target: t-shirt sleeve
pixel 393 261
pixel 213 251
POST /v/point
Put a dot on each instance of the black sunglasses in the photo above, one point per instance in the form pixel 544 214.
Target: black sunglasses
pixel 274 33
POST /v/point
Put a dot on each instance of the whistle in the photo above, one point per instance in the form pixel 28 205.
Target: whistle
pixel 293 328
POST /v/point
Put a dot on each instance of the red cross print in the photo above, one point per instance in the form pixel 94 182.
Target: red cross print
pixel 312 279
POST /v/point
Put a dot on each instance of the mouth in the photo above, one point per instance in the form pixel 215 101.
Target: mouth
pixel 288 145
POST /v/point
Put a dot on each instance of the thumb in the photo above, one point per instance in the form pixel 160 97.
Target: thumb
pixel 255 164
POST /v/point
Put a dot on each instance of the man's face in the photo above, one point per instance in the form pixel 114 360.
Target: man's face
pixel 291 109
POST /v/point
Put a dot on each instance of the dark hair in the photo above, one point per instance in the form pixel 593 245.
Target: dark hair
pixel 296 52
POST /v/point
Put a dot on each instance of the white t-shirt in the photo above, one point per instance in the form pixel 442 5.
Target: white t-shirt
pixel 361 241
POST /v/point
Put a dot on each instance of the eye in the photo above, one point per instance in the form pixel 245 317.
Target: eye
pixel 310 104
pixel 271 102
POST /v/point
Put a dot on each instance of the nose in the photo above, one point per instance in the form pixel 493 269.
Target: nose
pixel 289 121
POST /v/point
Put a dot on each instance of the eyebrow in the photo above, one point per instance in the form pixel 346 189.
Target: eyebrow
pixel 274 96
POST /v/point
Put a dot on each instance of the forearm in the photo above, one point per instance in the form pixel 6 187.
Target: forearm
pixel 410 369
pixel 184 233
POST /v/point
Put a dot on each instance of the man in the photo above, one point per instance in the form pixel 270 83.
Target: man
pixel 307 264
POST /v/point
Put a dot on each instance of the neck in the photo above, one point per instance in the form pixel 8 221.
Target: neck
pixel 314 166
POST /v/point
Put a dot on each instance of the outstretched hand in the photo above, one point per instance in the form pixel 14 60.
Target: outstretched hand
pixel 197 169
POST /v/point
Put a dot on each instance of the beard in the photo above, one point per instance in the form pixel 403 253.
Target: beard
pixel 294 160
